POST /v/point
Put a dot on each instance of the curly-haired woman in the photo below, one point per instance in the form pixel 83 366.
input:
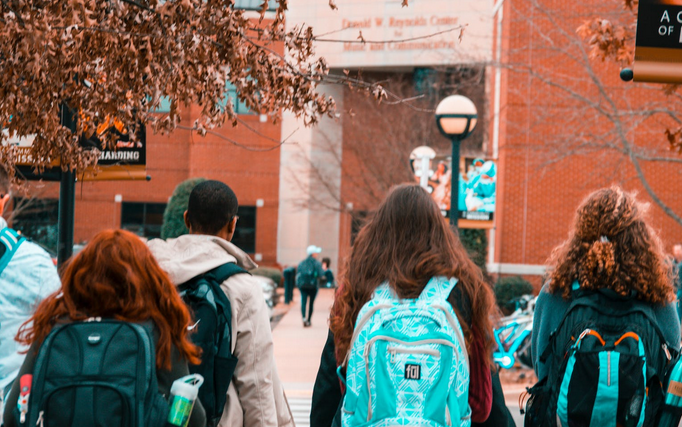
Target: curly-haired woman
pixel 608 281
pixel 406 244
pixel 116 277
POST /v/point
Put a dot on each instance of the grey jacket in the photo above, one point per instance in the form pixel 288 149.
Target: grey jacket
pixel 256 396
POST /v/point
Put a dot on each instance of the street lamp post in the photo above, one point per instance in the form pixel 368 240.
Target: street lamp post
pixel 456 117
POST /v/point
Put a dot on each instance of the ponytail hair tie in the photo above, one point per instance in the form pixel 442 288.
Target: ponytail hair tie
pixel 604 239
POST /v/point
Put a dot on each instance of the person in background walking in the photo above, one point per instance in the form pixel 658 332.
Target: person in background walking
pixel 289 274
pixel 27 275
pixel 677 266
pixel 308 275
pixel 328 274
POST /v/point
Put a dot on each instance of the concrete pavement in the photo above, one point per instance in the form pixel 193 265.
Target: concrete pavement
pixel 298 350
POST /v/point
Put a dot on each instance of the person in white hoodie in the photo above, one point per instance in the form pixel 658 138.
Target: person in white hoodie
pixel 255 396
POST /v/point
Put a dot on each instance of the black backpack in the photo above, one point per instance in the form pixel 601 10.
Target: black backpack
pixel 607 362
pixel 212 317
pixel 99 372
pixel 307 276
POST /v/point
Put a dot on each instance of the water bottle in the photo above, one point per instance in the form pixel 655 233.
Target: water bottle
pixel 184 392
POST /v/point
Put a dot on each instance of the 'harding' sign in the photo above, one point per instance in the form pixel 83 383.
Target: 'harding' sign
pixel 658 51
pixel 126 160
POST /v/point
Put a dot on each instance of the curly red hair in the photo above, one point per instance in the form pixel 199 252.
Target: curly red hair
pixel 116 276
pixel 612 246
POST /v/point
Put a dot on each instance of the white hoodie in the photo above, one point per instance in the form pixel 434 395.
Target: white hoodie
pixel 255 397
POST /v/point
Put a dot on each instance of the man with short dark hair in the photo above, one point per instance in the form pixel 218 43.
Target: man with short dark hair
pixel 255 396
pixel 27 276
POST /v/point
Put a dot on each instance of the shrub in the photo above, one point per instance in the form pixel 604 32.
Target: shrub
pixel 475 241
pixel 269 272
pixel 508 288
pixel 173 220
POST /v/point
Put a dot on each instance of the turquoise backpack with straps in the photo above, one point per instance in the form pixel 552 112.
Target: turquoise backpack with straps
pixel 408 363
pixel 11 241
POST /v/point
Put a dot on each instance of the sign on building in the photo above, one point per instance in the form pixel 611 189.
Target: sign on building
pixel 125 160
pixel 425 33
pixel 658 51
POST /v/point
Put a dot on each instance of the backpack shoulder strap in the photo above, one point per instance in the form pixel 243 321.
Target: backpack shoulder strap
pixel 438 289
pixel 11 240
pixel 225 271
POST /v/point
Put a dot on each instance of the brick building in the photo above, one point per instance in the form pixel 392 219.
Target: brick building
pixel 567 126
pixel 558 123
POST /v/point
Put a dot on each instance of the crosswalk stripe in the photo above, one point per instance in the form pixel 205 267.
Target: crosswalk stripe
pixel 300 409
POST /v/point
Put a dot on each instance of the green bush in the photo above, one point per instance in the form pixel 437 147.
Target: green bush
pixel 475 241
pixel 173 219
pixel 269 272
pixel 508 288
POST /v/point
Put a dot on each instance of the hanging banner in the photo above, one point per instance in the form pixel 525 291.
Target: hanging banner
pixel 477 188
pixel 127 160
pixel 658 47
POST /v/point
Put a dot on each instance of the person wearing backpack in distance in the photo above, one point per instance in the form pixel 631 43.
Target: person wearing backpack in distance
pixel 241 363
pixel 411 326
pixel 308 275
pixel 605 332
pixel 27 276
pixel 107 346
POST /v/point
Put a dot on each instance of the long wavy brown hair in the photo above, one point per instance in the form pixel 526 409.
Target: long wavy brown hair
pixel 407 242
pixel 612 246
pixel 116 276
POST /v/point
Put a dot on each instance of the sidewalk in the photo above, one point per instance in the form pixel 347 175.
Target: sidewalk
pixel 298 351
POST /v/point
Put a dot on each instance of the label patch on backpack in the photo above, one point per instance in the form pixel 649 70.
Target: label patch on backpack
pixel 413 372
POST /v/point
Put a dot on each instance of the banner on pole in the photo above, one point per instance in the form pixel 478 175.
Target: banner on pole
pixel 477 188
pixel 126 160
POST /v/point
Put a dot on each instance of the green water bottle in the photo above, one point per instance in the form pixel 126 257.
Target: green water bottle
pixel 184 392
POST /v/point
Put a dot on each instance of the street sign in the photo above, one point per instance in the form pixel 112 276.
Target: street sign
pixel 658 50
pixel 127 160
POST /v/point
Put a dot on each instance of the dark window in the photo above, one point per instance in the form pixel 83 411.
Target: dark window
pixel 143 219
pixel 254 4
pixel 245 235
pixel 358 220
pixel 37 219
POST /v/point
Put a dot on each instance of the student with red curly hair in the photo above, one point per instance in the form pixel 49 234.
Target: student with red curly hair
pixel 608 305
pixel 116 277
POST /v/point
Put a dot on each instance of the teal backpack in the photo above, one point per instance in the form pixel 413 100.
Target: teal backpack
pixel 408 363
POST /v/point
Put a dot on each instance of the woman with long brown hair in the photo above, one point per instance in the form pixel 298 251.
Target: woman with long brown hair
pixel 115 277
pixel 608 284
pixel 404 246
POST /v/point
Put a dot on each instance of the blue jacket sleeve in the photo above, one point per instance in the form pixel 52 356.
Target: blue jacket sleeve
pixel 549 310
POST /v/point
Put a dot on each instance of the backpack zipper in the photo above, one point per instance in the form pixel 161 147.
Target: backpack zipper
pixel 40 419
pixel 395 350
pixel 665 350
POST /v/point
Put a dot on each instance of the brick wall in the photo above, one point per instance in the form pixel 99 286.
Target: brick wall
pixel 557 146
